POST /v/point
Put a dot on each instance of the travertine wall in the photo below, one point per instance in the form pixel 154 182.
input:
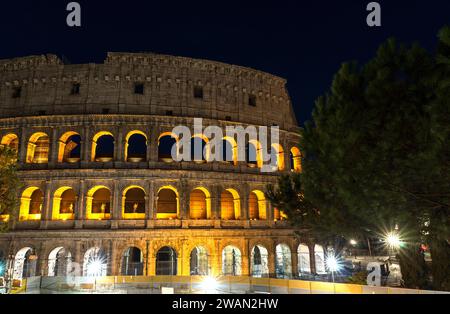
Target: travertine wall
pixel 168 86
pixel 107 102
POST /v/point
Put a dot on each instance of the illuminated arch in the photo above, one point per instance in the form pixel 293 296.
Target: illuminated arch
pixel 95 263
pixel 59 262
pixel 98 203
pixel 199 261
pixel 25 263
pixel 132 262
pixel 319 256
pixel 38 148
pixel 64 202
pixel 259 265
pixel 165 143
pixel 31 204
pixel 130 153
pixel 133 202
pixel 296 159
pixel 304 265
pixel 257 205
pixel 166 262
pixel 234 150
pixel 254 154
pixel 230 204
pixel 205 148
pixel 167 203
pixel 279 215
pixel 277 152
pixel 94 153
pixel 200 204
pixel 231 261
pixel 11 140
pixel 69 147
pixel 283 261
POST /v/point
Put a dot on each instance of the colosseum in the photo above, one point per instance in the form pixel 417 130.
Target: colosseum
pixel 93 145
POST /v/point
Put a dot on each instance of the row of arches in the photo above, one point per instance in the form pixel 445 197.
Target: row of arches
pixel 96 262
pixel 135 149
pixel 135 204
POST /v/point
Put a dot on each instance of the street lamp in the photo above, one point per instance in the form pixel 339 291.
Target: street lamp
pixel 332 264
pixel 393 240
pixel 209 284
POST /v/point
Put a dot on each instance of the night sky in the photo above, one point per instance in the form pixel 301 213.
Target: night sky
pixel 302 41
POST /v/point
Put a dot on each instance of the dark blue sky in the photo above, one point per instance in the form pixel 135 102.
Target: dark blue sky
pixel 303 41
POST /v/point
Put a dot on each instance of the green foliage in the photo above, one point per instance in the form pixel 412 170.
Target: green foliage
pixel 377 154
pixel 9 183
pixel 359 278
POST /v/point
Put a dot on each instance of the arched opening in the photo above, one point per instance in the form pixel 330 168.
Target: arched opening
pixel 166 262
pixel 98 203
pixel 253 154
pixel 165 144
pixel 95 263
pixel 198 152
pixel 69 148
pixel 231 261
pixel 257 206
pixel 25 263
pixel 136 147
pixel 296 160
pixel 283 264
pixel 319 256
pixel 64 201
pixel 230 204
pixel 133 203
pixel 277 156
pixel 38 148
pixel 59 262
pixel 259 262
pixel 200 204
pixel 304 265
pixel 279 214
pixel 31 204
pixel 229 151
pixel 103 147
pixel 132 262
pixel 167 204
pixel 199 262
pixel 11 141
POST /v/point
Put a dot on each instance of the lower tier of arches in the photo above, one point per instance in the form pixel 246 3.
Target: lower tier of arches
pixel 269 253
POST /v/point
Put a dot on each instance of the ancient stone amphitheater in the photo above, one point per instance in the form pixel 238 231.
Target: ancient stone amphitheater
pixel 101 191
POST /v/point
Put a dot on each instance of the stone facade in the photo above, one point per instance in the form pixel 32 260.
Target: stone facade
pixel 144 94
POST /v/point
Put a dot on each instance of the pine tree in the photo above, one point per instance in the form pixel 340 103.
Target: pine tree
pixel 9 183
pixel 376 155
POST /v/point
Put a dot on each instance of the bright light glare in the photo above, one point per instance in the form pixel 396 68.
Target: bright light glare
pixel 94 268
pixel 393 240
pixel 332 263
pixel 209 284
pixel 353 242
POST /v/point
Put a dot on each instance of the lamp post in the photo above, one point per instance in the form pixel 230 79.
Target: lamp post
pixel 332 264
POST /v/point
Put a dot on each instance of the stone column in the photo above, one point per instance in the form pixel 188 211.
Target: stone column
pixel 294 261
pixel 245 263
pixel 80 210
pixel 312 258
pixel 23 146
pixel 116 208
pixel 244 202
pixel 150 210
pixel 152 145
pixel 216 203
pixel 46 213
pixel 54 147
pixel 87 146
pixel 119 146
